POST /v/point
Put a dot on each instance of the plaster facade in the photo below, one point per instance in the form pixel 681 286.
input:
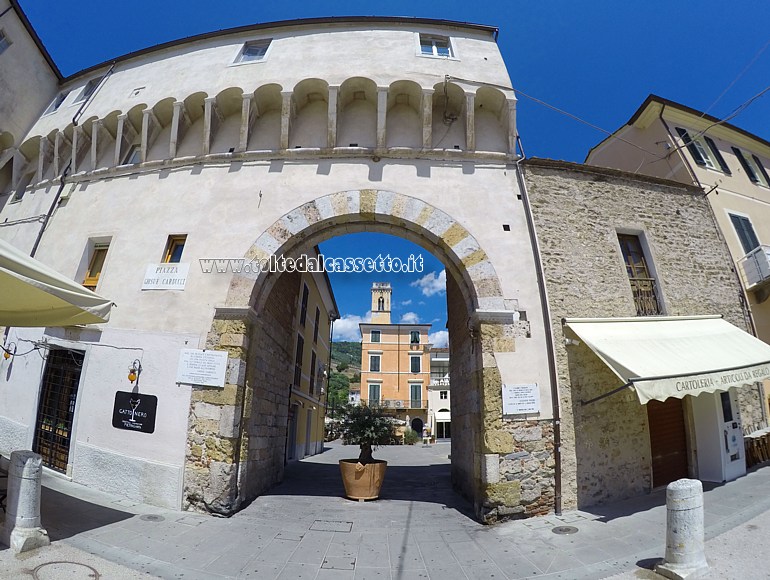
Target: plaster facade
pixel 269 158
pixel 395 363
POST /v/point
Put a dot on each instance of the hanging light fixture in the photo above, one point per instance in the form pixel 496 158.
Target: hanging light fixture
pixel 134 370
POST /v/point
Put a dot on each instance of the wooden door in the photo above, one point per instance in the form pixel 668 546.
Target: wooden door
pixel 668 441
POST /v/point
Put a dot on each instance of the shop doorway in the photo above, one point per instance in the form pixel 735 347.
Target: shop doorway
pixel 668 441
pixel 56 410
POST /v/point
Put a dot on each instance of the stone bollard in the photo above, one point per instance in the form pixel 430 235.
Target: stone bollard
pixel 685 554
pixel 22 531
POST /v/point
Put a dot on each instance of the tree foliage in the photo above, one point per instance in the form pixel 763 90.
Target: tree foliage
pixel 366 427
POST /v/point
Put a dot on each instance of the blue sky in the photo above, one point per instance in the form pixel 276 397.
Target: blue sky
pixel 596 60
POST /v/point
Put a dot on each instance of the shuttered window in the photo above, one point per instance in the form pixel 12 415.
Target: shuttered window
pixel 750 173
pixel 717 154
pixel 695 148
pixel 745 232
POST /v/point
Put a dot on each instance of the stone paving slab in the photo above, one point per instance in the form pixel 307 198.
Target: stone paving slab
pixel 305 529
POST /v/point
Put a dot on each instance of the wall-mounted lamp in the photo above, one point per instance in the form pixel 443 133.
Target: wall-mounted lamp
pixel 134 370
pixel 9 351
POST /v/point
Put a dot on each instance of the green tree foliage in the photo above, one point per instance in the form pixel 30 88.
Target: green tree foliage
pixel 339 390
pixel 342 366
pixel 366 427
pixel 346 352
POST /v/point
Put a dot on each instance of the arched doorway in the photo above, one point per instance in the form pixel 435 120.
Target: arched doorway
pixel 252 328
pixel 417 425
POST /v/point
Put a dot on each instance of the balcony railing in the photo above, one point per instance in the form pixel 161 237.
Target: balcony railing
pixel 755 267
pixel 645 296
pixel 441 381
pixel 396 403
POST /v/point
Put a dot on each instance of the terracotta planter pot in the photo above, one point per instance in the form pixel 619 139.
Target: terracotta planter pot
pixel 364 483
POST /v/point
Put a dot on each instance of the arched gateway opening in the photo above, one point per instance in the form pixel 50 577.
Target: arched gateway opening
pixel 228 466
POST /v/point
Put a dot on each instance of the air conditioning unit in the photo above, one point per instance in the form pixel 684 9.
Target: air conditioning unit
pixel 398 404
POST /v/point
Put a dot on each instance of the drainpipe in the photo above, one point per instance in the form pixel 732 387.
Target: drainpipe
pixel 62 181
pixel 547 329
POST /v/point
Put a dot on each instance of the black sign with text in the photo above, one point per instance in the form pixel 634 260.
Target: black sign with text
pixel 134 411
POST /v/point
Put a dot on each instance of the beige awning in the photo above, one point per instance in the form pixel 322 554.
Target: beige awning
pixel 662 357
pixel 33 294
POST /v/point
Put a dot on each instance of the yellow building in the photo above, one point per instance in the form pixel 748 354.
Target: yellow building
pixel 395 362
pixel 315 313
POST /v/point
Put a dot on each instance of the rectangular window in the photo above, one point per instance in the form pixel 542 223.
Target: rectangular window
pixel 4 41
pixel 431 45
pixel 751 173
pixel 762 170
pixel 298 360
pixel 374 363
pixel 414 337
pixel 23 184
pixel 374 393
pixel 643 285
pixel 89 89
pixel 254 51
pixel 415 364
pixel 443 395
pixel 174 248
pixel 303 307
pixel 696 149
pixel 717 154
pixel 95 266
pixel 56 103
pixel 317 323
pixel 745 231
pixel 415 396
pixel 312 372
pixel 375 336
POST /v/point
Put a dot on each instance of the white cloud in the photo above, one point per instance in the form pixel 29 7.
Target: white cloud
pixel 439 339
pixel 406 302
pixel 346 328
pixel 410 318
pixel 432 283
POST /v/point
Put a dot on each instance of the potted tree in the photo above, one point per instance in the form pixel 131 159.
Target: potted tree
pixel 366 427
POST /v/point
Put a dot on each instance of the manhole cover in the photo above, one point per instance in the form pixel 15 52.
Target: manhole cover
pixel 152 518
pixel 561 530
pixel 64 569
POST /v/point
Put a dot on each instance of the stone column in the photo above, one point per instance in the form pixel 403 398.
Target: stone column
pixel 331 117
pixel 249 113
pixel 685 553
pixel 22 530
pixel 427 118
pixel 470 122
pixel 285 118
pixel 512 130
pixel 382 117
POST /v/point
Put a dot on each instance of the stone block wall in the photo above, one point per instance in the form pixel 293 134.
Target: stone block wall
pixel 270 373
pixel 237 434
pixel 463 364
pixel 579 211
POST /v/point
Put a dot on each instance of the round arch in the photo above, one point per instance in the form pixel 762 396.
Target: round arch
pixel 375 211
pixel 244 455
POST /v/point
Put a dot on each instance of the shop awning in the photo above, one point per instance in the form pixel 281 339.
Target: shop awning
pixel 34 294
pixel 662 357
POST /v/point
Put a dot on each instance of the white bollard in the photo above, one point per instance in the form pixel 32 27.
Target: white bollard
pixel 685 552
pixel 22 530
